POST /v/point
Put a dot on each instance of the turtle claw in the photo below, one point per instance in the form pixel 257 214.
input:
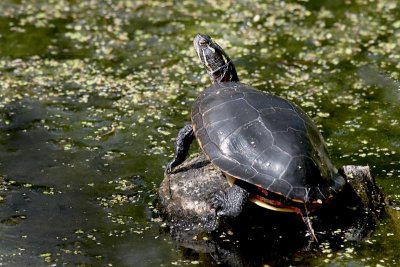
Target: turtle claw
pixel 168 169
pixel 217 202
pixel 229 203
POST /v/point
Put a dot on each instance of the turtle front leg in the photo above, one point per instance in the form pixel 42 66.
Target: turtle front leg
pixel 230 203
pixel 184 139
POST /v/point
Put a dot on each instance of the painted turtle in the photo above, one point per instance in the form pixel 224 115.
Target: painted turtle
pixel 268 148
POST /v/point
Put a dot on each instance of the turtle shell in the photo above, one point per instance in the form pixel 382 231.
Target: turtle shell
pixel 264 140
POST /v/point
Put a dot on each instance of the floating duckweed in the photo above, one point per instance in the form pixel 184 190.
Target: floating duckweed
pixel 116 81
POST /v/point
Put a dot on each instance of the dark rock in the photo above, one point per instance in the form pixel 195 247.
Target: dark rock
pixel 370 200
pixel 184 195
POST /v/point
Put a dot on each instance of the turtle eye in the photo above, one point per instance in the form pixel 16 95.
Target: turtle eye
pixel 203 42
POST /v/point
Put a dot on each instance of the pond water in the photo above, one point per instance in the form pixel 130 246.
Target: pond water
pixel 92 94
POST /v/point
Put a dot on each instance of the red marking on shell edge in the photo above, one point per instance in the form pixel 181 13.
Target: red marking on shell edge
pixel 263 190
pixel 298 212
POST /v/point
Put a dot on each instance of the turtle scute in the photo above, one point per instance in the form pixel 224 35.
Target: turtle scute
pixel 264 140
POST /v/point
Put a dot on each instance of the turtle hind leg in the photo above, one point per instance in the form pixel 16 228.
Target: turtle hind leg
pixel 184 139
pixel 229 203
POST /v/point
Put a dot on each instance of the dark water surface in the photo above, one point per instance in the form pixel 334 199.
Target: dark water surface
pixel 92 94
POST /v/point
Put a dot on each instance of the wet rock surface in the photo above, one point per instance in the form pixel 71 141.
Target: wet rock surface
pixel 184 194
pixel 352 215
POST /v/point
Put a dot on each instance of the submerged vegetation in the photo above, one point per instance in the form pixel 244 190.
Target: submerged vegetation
pixel 92 94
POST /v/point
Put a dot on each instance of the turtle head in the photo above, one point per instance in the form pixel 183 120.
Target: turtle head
pixel 217 63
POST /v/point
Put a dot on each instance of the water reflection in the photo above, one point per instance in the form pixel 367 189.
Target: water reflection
pixel 92 94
